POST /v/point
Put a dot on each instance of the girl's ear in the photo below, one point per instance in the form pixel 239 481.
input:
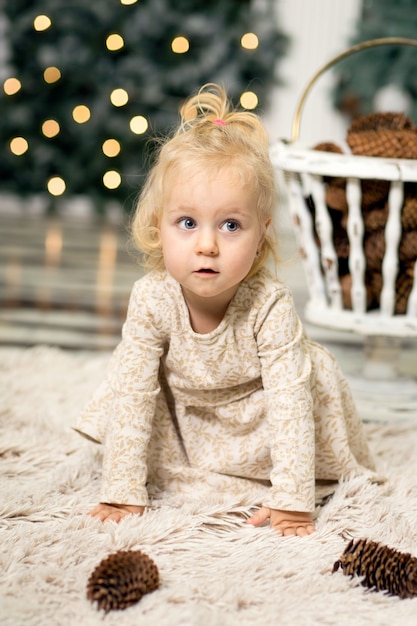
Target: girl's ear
pixel 265 228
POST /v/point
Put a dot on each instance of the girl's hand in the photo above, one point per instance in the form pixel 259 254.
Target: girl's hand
pixel 287 522
pixel 115 512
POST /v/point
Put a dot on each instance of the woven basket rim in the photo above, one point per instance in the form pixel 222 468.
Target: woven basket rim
pixel 295 157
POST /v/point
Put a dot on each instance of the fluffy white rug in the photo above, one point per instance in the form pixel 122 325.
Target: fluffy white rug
pixel 214 570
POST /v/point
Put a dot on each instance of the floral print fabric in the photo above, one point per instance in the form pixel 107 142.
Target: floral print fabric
pixel 252 407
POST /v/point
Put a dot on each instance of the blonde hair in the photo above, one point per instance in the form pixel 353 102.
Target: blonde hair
pixel 211 136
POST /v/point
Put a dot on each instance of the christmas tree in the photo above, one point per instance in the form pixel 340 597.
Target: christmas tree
pixel 364 74
pixel 89 83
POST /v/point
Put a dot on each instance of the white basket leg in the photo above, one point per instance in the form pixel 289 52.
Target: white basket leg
pixel 303 223
pixel 324 229
pixel 392 240
pixel 355 231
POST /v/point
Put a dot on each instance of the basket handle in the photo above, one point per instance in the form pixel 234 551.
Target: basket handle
pixel 356 48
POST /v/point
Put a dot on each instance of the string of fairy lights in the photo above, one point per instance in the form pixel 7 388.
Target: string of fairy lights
pixel 119 97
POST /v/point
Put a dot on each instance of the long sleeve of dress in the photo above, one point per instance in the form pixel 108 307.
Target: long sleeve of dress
pixel 134 385
pixel 286 369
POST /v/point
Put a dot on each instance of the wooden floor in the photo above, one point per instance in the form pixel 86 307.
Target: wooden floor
pixel 64 281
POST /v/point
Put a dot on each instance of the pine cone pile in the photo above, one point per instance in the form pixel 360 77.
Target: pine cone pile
pixel 388 135
pixel 380 567
pixel 121 579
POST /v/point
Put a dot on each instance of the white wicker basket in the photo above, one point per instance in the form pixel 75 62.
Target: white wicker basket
pixel 304 170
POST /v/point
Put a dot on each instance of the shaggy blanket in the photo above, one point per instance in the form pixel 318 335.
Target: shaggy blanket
pixel 214 569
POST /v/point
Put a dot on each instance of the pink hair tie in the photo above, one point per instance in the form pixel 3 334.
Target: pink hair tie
pixel 219 122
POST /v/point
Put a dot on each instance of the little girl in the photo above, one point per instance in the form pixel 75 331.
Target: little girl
pixel 214 387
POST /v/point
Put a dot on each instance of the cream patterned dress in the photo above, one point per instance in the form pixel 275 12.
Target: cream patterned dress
pixel 251 407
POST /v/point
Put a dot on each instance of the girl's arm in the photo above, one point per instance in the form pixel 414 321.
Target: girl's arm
pixel 286 368
pixel 135 385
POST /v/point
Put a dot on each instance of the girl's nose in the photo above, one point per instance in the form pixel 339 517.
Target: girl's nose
pixel 207 243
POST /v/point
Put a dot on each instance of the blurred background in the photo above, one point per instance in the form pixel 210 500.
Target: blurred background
pixel 87 86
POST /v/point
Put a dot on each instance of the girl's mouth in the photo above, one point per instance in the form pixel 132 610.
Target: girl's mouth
pixel 206 270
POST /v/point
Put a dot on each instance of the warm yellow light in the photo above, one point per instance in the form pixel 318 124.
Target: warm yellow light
pixel 119 97
pixel 138 124
pixel 112 179
pixel 11 86
pixel 127 2
pixel 249 100
pixel 180 45
pixel 56 186
pixel 249 41
pixel 111 147
pixel 81 114
pixel 51 74
pixel 114 42
pixel 19 145
pixel 41 22
pixel 50 128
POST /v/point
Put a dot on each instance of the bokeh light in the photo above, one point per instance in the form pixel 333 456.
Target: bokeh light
pixel 56 186
pixel 180 45
pixel 112 179
pixel 11 86
pixel 114 42
pixel 111 147
pixel 138 124
pixel 119 97
pixel 50 128
pixel 42 22
pixel 249 41
pixel 19 145
pixel 249 100
pixel 127 2
pixel 81 114
pixel 51 74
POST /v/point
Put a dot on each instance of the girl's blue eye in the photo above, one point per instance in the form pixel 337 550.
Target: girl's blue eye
pixel 187 223
pixel 231 226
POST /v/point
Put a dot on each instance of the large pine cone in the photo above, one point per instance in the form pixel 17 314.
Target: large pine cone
pixel 388 135
pixel 121 579
pixel 382 568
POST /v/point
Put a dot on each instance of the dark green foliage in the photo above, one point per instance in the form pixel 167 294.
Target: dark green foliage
pixel 361 75
pixel 156 79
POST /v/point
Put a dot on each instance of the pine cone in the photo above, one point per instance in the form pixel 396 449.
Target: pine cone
pixel 328 146
pixel 374 247
pixel 409 213
pixel 374 192
pixel 375 219
pixel 403 287
pixel 407 252
pixel 380 120
pixel 385 134
pixel 336 194
pixel 121 579
pixel 382 568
